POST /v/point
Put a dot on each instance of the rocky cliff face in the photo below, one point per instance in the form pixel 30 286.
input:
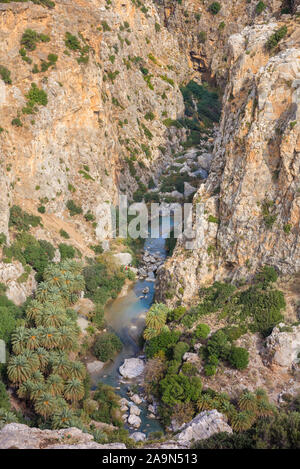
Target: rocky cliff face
pixel 101 130
pixel 249 207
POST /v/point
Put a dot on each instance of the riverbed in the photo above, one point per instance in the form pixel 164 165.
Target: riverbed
pixel 126 317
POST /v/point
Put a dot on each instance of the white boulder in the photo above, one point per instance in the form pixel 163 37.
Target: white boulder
pixel 132 367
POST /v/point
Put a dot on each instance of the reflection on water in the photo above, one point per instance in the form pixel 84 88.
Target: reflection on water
pixel 126 317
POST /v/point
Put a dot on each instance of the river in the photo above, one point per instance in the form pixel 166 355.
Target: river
pixel 126 317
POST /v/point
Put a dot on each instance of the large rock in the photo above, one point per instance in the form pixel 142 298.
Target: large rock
pixel 18 289
pixel 138 436
pixel 95 366
pixel 134 410
pixel 134 420
pixel 19 436
pixel 283 345
pixel 123 258
pixel 203 426
pixel 132 367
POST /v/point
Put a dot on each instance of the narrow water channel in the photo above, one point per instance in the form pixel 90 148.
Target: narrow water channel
pixel 126 317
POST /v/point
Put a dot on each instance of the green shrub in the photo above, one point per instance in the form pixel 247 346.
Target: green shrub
pixel 42 209
pixel 4 397
pixel 34 96
pixel 180 388
pixel 202 37
pixel 177 313
pixel 276 38
pixel 210 370
pixel 106 346
pixel 260 7
pixel 66 251
pixel 189 369
pixel 73 208
pixel 17 122
pixel 202 331
pixel 239 358
pixel 30 39
pixel 266 275
pixel 179 350
pixel 5 75
pixel 264 307
pixel 64 234
pixel 103 280
pixel 214 8
pixel 72 42
pixel 163 342
pixel 219 345
pixel 21 220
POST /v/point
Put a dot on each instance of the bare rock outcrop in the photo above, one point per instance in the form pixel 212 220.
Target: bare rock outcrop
pixel 203 426
pixel 19 436
pixel 248 211
pixel 283 345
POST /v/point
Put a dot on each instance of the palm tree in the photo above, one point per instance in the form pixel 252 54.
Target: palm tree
pixel 156 316
pixel 62 419
pixel 241 421
pixel 74 390
pixel 150 333
pixel 37 377
pixel 66 338
pixel 42 292
pixel 264 408
pixel 7 417
pixel 43 356
pixel 33 310
pixel 24 391
pixel 19 369
pixel 19 340
pixel 53 276
pixel 247 401
pixel 55 385
pixel 261 394
pixel 45 405
pixel 51 316
pixel 50 338
pixel 77 370
pixel 205 402
pixel 37 390
pixel 61 366
pixel 33 341
pixel 69 265
pixel 33 359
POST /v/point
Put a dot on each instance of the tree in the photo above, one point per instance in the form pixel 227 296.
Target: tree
pixel 180 388
pixel 239 358
pixel 106 346
pixel 156 316
pixel 63 419
pixel 55 385
pixel 18 369
pixel 45 405
pixel 74 390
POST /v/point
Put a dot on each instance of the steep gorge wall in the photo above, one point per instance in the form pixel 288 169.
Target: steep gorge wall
pixel 249 206
pixel 91 141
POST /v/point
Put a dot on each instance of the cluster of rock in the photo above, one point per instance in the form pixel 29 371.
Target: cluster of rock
pixel 149 265
pixel 19 436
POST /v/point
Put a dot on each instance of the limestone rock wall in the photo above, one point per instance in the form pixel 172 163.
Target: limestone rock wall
pixel 249 207
pixel 79 145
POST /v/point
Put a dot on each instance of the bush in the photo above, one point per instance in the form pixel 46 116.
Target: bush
pixel 219 345
pixel 276 38
pixel 260 7
pixel 30 39
pixel 210 369
pixel 106 346
pixel 64 234
pixel 214 8
pixel 239 358
pixel 34 96
pixel 163 342
pixel 189 369
pixel 266 275
pixel 4 397
pixel 73 208
pixel 264 307
pixel 103 280
pixel 202 331
pixel 180 388
pixel 5 75
pixel 179 350
pixel 177 313
pixel 66 251
pixel 21 220
pixel 72 42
